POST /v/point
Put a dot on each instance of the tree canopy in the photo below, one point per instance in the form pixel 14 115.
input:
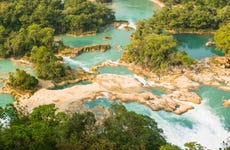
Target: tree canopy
pixel 222 38
pixel 184 15
pixel 156 52
pixel 153 48
pixel 27 27
pixel 22 80
pixel 44 128
pixel 28 23
pixel 47 64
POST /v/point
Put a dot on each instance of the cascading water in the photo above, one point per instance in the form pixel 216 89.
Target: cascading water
pixel 75 63
pixel 131 24
pixel 202 124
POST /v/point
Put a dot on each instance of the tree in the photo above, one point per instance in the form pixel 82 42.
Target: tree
pixel 155 52
pixel 132 131
pixel 45 128
pixel 222 38
pixel 47 64
pixel 169 147
pixel 29 23
pixel 22 80
pixel 36 132
pixel 193 146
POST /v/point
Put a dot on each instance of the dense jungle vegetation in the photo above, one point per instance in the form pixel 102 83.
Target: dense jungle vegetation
pixel 154 48
pixel 45 128
pixel 28 26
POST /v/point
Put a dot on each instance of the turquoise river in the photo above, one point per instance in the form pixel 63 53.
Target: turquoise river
pixel 207 124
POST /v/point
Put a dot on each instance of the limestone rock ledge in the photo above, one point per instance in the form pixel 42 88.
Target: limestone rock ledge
pixel 115 87
pixel 72 52
pixel 226 103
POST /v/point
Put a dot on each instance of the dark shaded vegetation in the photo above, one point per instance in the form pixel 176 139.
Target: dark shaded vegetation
pixel 47 129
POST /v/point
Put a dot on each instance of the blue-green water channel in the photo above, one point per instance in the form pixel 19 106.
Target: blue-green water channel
pixel 194 45
pixel 120 70
pixel 5 99
pixel 7 66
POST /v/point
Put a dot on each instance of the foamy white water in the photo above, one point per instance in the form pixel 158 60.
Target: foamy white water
pixel 141 79
pixel 131 24
pixel 200 125
pixel 70 61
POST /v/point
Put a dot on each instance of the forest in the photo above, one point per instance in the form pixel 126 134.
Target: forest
pixel 45 128
pixel 28 23
pixel 28 28
pixel 153 46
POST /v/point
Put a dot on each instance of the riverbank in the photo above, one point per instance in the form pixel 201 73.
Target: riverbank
pixel 209 71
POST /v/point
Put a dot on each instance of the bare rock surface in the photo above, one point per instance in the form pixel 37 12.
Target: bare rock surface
pixel 118 87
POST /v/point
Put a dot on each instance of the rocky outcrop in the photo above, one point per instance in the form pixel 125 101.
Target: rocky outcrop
pixel 107 38
pixel 212 71
pixel 103 64
pixel 118 23
pixel 185 95
pixel 115 87
pixel 184 82
pixel 226 103
pixel 72 52
pixel 77 34
pixel 128 28
pixel 209 43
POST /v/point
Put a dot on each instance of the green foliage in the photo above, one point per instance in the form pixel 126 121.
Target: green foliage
pixel 184 15
pixel 55 14
pixel 31 24
pixel 104 1
pixel 21 42
pixel 194 146
pixel 155 52
pixel 37 132
pixel 28 23
pixel 132 131
pixel 169 147
pixel 22 80
pixel 222 38
pixel 44 128
pixel 47 64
